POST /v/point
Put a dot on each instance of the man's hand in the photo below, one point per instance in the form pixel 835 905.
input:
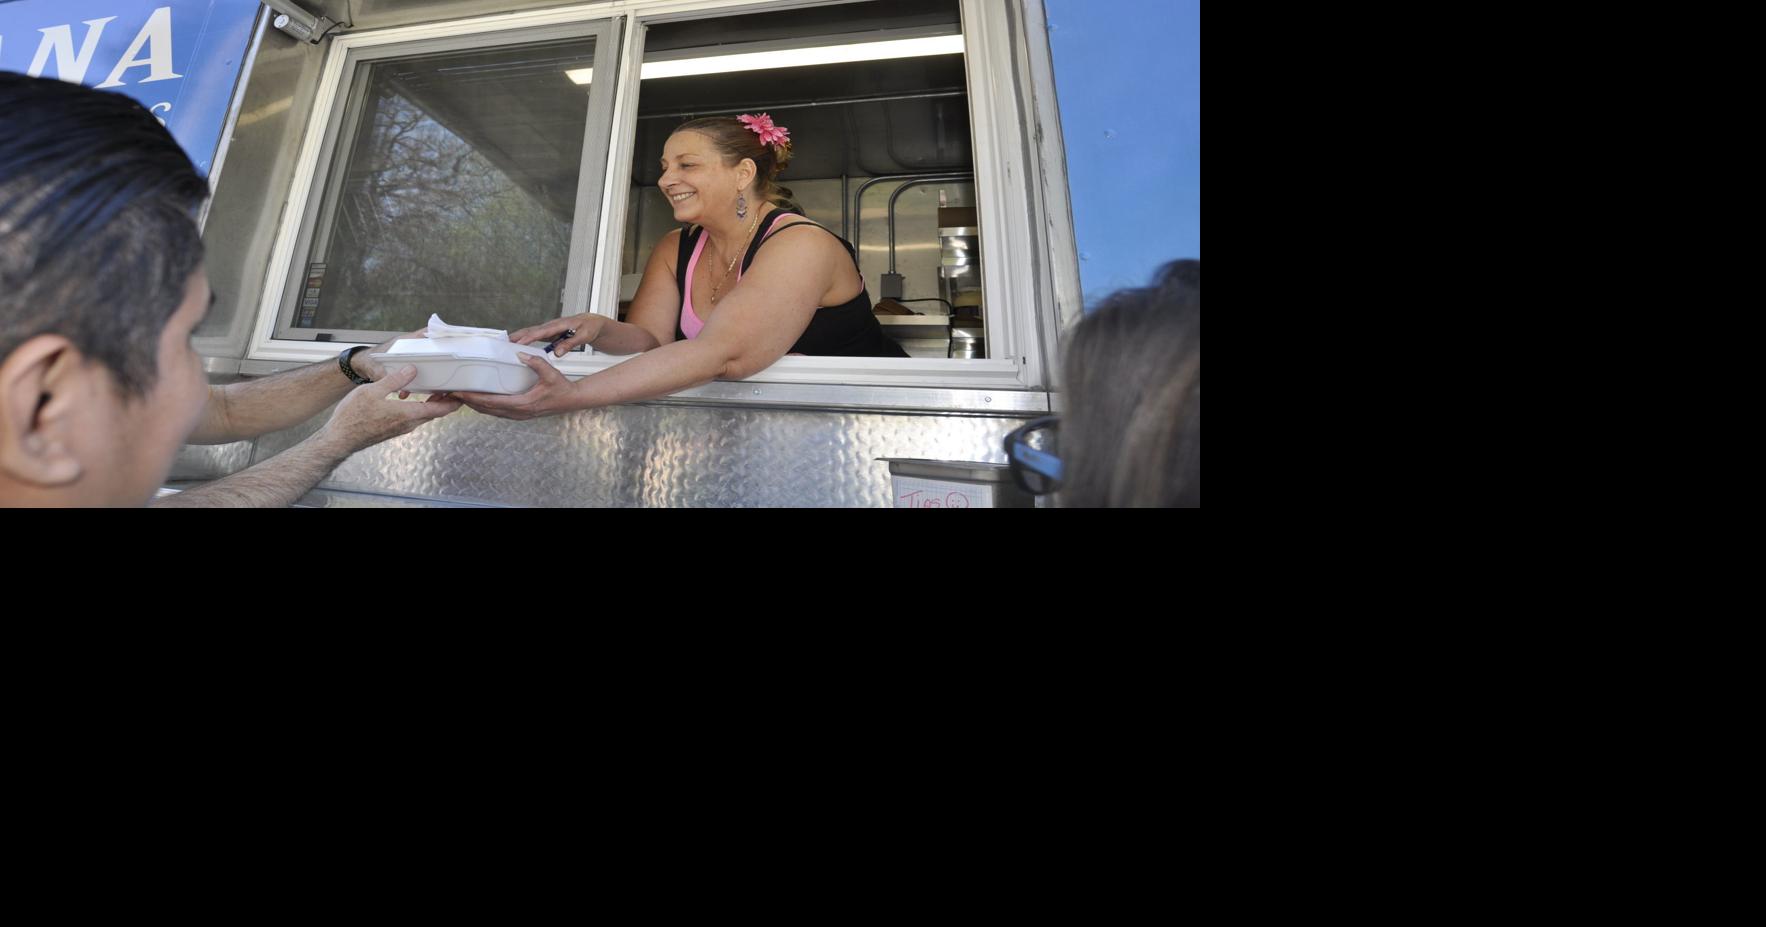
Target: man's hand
pixel 368 416
pixel 373 369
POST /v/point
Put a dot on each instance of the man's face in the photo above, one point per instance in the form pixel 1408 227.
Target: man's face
pixel 147 432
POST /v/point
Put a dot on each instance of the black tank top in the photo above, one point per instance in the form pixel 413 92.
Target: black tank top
pixel 846 330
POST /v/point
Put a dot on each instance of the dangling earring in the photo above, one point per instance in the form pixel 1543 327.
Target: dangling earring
pixel 741 206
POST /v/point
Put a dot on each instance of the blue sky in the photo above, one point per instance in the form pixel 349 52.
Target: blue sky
pixel 1129 77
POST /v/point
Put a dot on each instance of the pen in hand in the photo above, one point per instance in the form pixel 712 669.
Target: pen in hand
pixel 563 336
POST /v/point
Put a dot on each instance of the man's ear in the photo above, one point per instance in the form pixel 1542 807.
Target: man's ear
pixel 43 384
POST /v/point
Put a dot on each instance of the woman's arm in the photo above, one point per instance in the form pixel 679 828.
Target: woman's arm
pixel 753 327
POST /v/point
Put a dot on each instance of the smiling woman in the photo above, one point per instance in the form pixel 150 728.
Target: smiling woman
pixel 710 170
pixel 696 317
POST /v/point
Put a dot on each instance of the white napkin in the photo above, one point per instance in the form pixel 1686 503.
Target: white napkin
pixel 439 329
pixel 463 342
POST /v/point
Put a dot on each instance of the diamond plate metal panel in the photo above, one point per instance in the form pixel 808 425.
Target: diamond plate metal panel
pixel 654 455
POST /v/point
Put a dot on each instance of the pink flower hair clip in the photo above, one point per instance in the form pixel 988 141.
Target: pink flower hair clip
pixel 762 125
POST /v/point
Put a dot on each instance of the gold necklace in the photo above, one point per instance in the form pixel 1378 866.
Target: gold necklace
pixel 732 265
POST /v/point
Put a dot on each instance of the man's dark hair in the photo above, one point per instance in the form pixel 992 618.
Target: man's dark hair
pixel 97 224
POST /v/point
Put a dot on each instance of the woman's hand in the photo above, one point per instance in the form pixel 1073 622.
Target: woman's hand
pixel 587 326
pixel 553 394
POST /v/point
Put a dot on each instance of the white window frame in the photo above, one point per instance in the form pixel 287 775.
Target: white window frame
pixel 326 136
pixel 1017 293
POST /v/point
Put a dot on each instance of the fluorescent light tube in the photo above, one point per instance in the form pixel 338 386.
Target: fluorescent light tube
pixel 793 58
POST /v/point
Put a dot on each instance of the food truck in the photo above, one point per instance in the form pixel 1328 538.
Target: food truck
pixel 495 163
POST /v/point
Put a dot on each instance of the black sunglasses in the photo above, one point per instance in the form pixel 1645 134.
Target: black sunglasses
pixel 1033 451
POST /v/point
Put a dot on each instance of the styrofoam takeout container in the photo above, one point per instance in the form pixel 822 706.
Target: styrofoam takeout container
pixel 476 363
